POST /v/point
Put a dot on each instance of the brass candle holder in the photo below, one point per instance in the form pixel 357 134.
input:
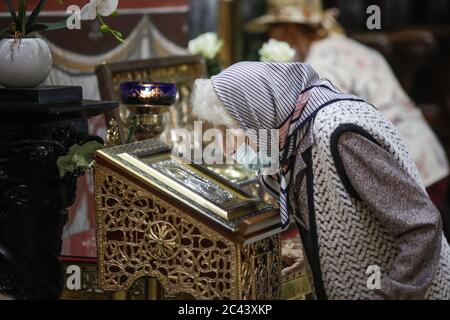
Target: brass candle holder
pixel 146 121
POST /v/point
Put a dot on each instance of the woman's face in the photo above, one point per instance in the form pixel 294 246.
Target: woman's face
pixel 284 32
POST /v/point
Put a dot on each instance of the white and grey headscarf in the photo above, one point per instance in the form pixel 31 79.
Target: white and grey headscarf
pixel 284 96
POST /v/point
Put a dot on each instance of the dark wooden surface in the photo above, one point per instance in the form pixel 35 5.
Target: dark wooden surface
pixel 33 197
pixel 83 109
pixel 42 95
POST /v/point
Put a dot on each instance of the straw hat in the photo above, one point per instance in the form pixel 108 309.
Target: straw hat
pixel 306 12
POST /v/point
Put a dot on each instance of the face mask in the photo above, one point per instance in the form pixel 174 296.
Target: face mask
pixel 248 157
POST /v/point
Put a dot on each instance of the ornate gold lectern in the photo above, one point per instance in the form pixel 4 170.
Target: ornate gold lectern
pixel 196 233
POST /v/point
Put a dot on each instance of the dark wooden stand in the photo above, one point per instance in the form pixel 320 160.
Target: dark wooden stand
pixel 33 197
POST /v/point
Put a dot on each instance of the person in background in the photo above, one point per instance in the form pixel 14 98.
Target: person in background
pixel 320 41
pixel 343 172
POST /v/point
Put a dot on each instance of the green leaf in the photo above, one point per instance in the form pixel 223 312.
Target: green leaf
pixel 56 25
pixel 11 8
pixel 3 31
pixel 6 34
pixel 78 157
pixel 21 17
pixel 37 27
pixel 37 10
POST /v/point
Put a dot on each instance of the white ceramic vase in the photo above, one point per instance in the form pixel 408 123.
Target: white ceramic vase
pixel 24 63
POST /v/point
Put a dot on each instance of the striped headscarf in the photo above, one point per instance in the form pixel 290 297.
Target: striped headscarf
pixel 284 96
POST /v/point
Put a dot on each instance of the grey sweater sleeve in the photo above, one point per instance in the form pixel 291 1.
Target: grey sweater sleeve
pixel 405 210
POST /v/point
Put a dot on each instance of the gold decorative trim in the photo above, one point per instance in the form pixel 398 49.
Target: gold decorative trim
pixel 113 134
pixel 107 279
pixel 190 194
pixel 141 235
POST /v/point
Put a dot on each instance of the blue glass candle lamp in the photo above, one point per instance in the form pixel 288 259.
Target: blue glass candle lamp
pixel 148 93
pixel 147 102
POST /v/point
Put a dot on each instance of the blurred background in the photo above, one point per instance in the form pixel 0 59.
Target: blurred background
pixel 414 39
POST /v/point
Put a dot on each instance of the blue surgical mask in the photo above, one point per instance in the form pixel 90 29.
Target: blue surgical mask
pixel 248 157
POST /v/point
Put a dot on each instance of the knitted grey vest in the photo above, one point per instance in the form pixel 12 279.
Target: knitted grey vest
pixel 347 236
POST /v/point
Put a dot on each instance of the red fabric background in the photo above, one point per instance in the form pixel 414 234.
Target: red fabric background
pixel 53 5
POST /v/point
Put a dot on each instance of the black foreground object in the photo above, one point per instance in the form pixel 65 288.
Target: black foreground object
pixel 33 197
pixel 41 95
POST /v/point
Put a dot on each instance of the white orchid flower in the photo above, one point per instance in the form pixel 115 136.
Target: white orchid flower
pixel 102 7
pixel 97 9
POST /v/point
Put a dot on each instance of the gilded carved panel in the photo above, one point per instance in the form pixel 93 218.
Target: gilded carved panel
pixel 141 235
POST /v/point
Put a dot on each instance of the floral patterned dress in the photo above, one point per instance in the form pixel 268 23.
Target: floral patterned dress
pixel 364 72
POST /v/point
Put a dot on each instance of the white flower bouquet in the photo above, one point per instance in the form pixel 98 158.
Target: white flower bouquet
pixel 276 51
pixel 208 45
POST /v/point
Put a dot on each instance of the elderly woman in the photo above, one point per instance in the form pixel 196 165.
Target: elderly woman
pixel 345 175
